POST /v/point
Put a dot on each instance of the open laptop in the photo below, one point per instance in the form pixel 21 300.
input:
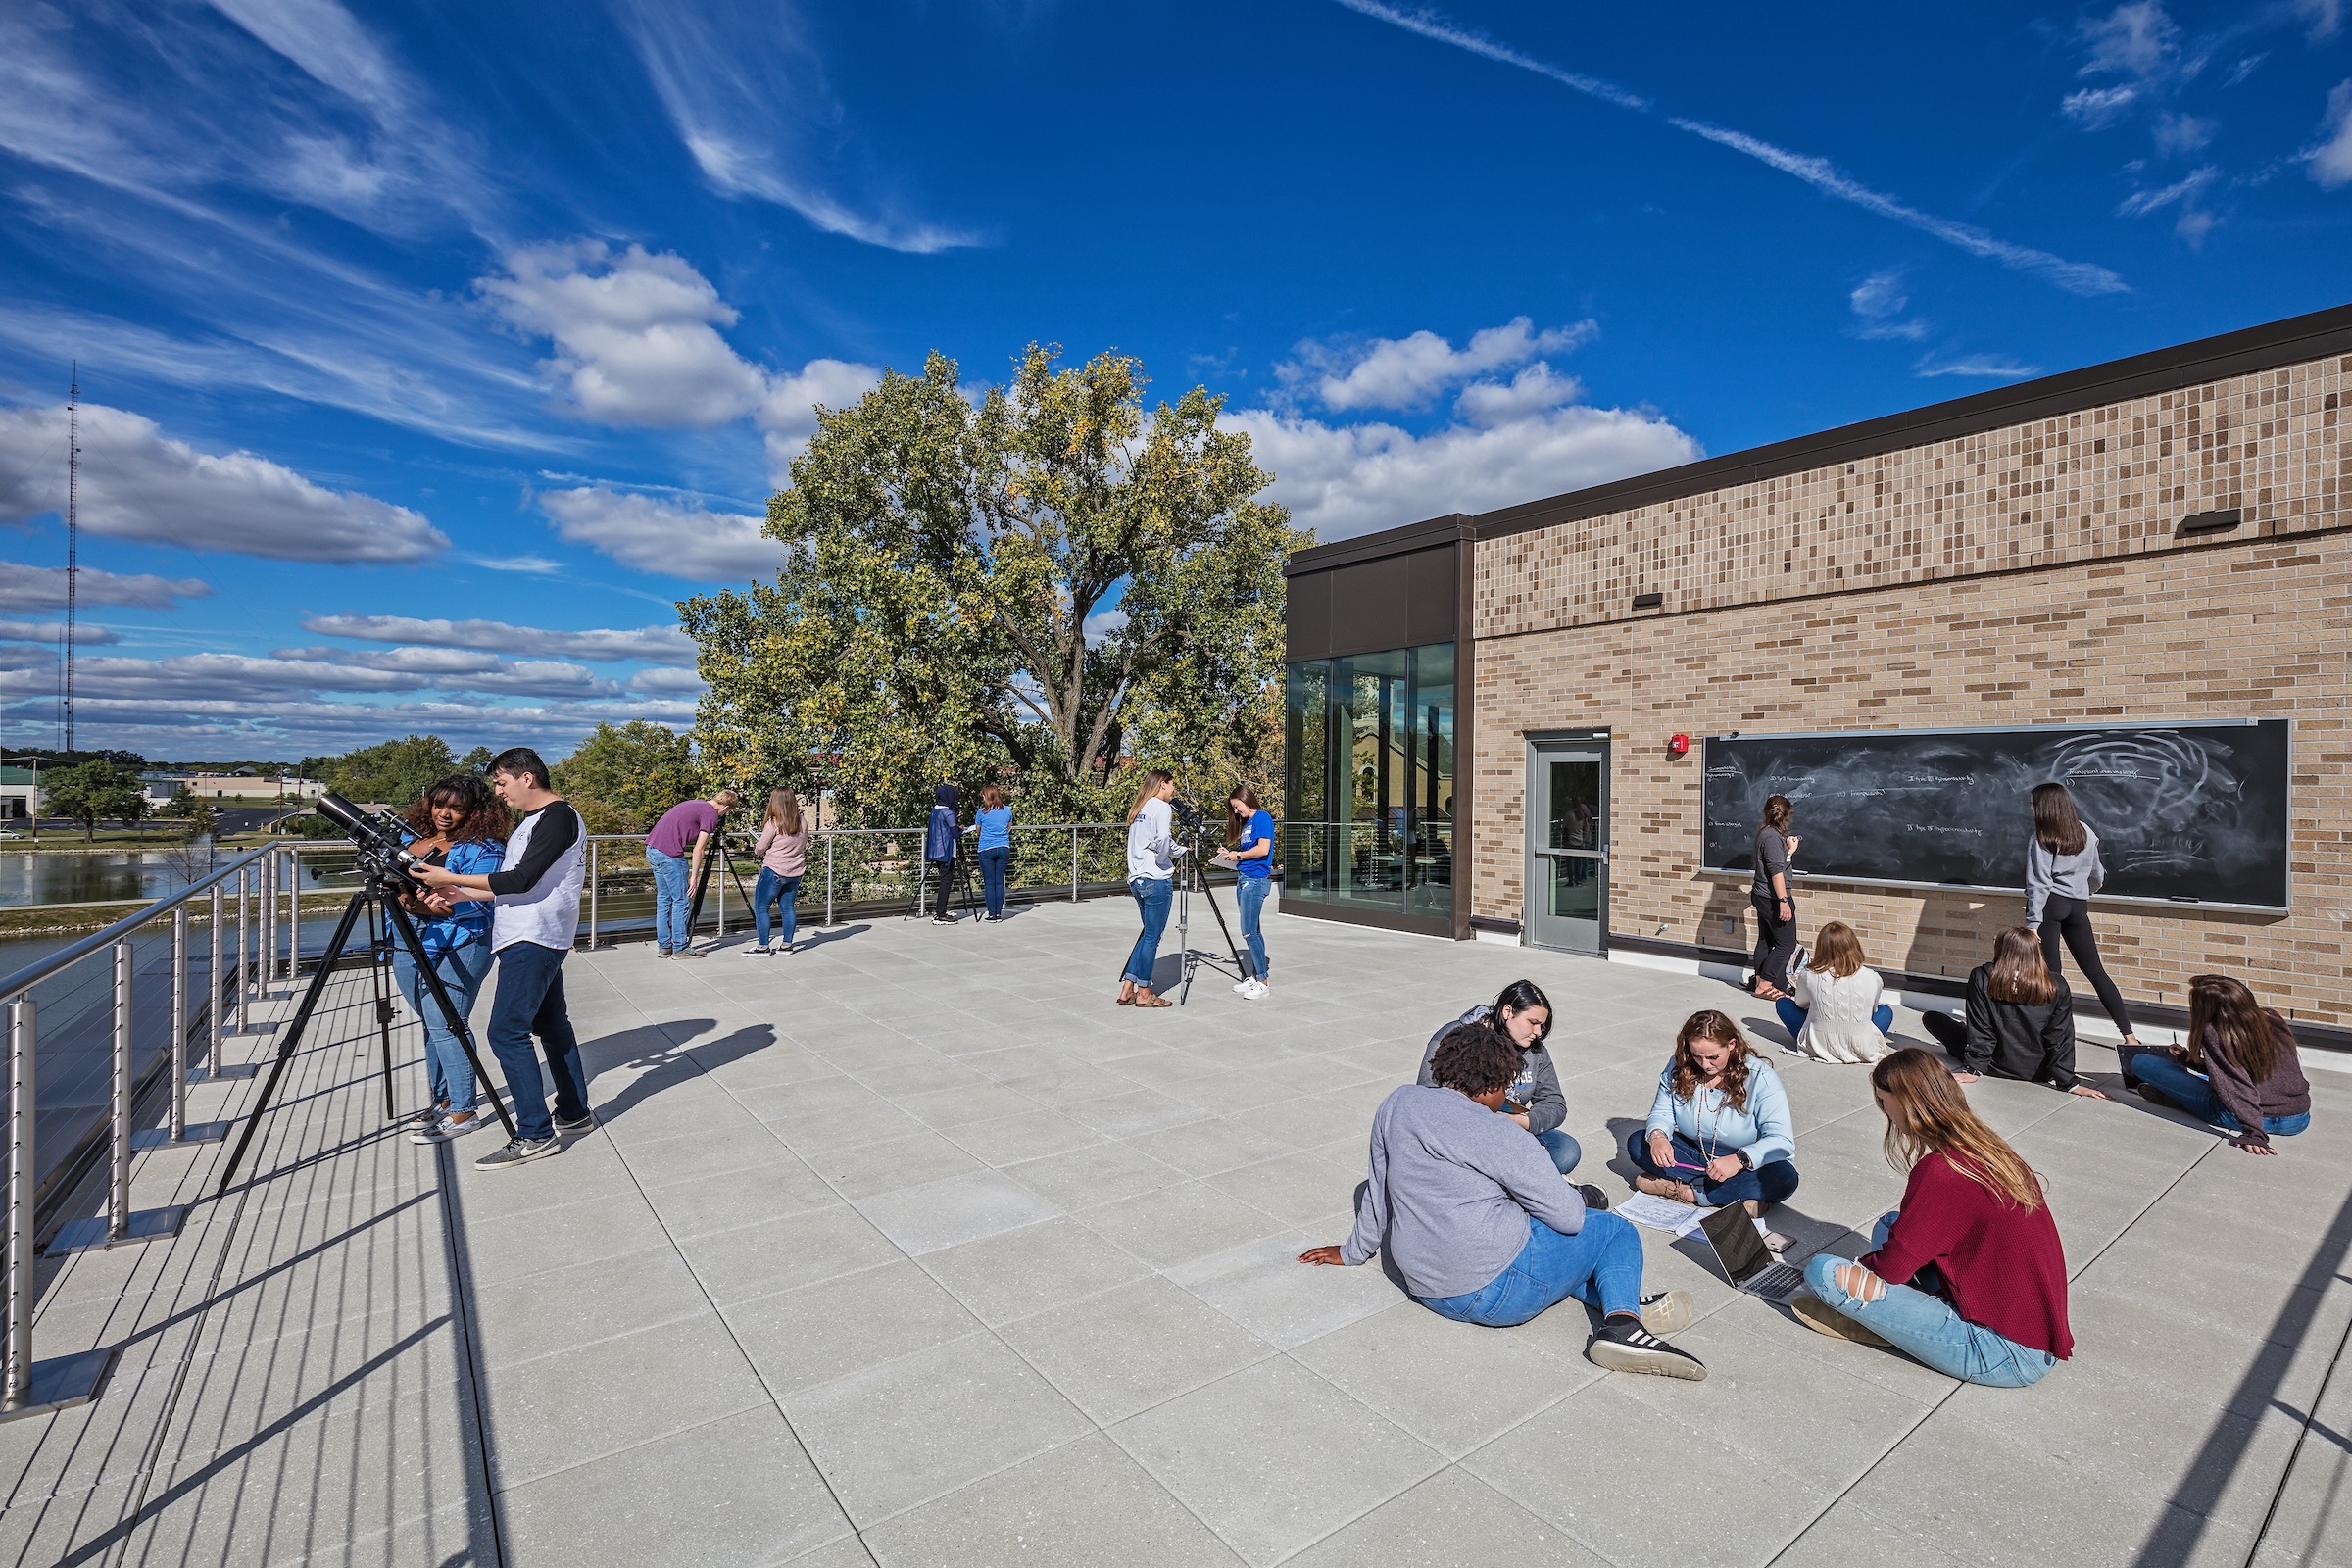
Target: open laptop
pixel 1747 1261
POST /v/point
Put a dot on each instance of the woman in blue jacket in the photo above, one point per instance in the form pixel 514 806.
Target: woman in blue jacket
pixel 938 849
pixel 1719 1131
pixel 460 827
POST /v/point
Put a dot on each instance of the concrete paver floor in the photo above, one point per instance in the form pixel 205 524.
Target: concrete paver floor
pixel 912 1249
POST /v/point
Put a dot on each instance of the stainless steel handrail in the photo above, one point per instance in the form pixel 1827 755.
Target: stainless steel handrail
pixel 40 969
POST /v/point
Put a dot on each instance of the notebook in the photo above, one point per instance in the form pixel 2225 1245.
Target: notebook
pixel 1747 1261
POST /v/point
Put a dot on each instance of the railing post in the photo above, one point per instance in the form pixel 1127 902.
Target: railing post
pixel 245 975
pixel 119 1225
pixel 213 978
pixel 22 1049
pixel 592 848
pixel 294 913
pixel 828 879
pixel 269 912
pixel 1073 862
pixel 179 1022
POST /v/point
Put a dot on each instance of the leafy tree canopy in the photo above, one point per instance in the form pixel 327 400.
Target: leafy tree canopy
pixel 393 772
pixel 1041 583
pixel 92 793
pixel 624 776
pixel 475 760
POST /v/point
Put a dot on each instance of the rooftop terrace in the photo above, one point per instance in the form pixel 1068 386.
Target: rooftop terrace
pixel 911 1249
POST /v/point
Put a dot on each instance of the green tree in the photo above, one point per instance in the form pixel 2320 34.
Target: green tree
pixel 1041 581
pixel 475 760
pixel 394 773
pixel 186 806
pixel 92 793
pixel 624 776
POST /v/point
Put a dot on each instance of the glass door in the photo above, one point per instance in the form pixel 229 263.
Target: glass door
pixel 1567 844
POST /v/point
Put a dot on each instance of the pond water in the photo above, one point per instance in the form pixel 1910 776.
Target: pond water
pixel 41 876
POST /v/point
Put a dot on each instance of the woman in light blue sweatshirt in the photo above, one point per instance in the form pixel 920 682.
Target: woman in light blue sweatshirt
pixel 1719 1131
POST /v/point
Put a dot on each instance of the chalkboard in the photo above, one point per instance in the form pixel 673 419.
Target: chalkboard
pixel 2182 812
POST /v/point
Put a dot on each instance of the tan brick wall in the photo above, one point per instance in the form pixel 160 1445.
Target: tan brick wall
pixel 2048 591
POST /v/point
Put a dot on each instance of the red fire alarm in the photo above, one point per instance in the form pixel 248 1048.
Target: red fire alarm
pixel 1679 746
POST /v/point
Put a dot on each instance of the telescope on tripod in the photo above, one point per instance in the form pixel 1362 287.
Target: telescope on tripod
pixel 1193 826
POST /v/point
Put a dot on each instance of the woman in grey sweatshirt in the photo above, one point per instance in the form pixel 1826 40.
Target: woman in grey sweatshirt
pixel 1523 1014
pixel 2063 870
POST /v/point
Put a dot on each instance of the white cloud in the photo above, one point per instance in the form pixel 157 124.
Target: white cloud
pixel 2319 16
pixel 1534 389
pixel 667 683
pixel 1993 367
pixel 1408 372
pixel 1878 300
pixel 788 414
pixel 2182 133
pixel 2332 160
pixel 658 536
pixel 50 631
pixel 653 645
pixel 324 40
pixel 1351 479
pixel 748 97
pixel 636 334
pixel 2194 222
pixel 2097 108
pixel 527 566
pixel 24 587
pixel 137 483
pixel 1103 625
pixel 2134 39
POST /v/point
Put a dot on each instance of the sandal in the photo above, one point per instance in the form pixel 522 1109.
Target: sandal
pixel 1660 1186
pixel 1127 995
pixel 1144 999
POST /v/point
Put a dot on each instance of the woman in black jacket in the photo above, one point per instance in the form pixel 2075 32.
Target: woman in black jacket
pixel 2020 1020
pixel 1523 1014
pixel 1774 900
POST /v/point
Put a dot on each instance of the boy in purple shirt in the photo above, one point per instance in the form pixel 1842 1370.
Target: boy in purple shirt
pixel 674 849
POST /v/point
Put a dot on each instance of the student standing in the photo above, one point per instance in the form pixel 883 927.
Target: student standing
pixel 1967 1276
pixel 2238 1072
pixel 991 827
pixel 1836 1014
pixel 2020 1022
pixel 783 853
pixel 674 849
pixel 1483 1231
pixel 460 825
pixel 1250 851
pixel 1151 852
pixel 537 897
pixel 939 850
pixel 1774 900
pixel 1523 1014
pixel 1719 1129
pixel 2063 870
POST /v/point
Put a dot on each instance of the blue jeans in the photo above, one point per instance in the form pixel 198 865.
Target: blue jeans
pixel 994 864
pixel 1249 899
pixel 1564 1151
pixel 530 1001
pixel 1792 1016
pixel 673 900
pixel 462 972
pixel 1153 896
pixel 2169 1077
pixel 1769 1183
pixel 1926 1327
pixel 1599 1265
pixel 769 888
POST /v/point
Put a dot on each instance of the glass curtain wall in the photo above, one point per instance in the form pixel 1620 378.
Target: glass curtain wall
pixel 1370 785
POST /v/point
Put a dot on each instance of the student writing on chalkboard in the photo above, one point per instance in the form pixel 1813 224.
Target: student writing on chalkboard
pixel 2020 1020
pixel 2063 870
pixel 1774 900
pixel 2238 1072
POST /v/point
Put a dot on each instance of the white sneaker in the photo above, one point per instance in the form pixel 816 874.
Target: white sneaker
pixel 1245 985
pixel 1256 990
pixel 753 949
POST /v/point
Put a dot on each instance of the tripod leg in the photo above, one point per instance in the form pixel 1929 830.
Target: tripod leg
pixel 292 1039
pixel 1248 970
pixel 379 957
pixel 456 1020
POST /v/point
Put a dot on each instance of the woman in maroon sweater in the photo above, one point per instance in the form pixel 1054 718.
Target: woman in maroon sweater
pixel 1968 1275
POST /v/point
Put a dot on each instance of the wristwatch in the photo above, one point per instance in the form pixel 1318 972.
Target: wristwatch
pixel 1746 1163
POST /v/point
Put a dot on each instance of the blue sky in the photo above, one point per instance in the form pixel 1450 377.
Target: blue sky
pixel 430 353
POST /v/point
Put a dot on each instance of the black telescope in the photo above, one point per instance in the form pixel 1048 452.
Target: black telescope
pixel 376 833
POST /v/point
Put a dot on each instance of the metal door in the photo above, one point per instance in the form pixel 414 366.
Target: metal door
pixel 1567 844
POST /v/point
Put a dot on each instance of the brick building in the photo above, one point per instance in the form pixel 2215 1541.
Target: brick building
pixel 2157 541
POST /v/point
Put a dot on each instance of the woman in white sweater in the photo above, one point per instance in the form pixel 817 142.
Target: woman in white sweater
pixel 2063 870
pixel 1836 1015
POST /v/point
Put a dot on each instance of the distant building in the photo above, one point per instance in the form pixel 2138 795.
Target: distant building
pixel 250 787
pixel 17 799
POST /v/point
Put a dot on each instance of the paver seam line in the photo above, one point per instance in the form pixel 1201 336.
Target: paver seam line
pixel 462 1311
pixel 2310 1419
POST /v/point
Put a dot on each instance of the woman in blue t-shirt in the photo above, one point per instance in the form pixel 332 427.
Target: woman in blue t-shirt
pixel 994 824
pixel 460 827
pixel 1250 851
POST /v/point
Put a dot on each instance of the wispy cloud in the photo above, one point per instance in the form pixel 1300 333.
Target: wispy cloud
pixel 1408 372
pixel 1991 367
pixel 2097 108
pixel 24 587
pixel 2330 161
pixel 2078 277
pixel 689 542
pixel 655 645
pixel 1878 303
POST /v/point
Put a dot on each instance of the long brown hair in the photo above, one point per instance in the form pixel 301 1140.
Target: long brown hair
pixel 1777 811
pixel 2055 821
pixel 1930 1115
pixel 1837 950
pixel 2018 973
pixel 485 819
pixel 1147 789
pixel 1234 820
pixel 991 797
pixel 783 811
pixel 2241 1027
pixel 1710 1024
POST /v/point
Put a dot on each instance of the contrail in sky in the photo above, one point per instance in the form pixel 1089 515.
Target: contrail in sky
pixel 2076 277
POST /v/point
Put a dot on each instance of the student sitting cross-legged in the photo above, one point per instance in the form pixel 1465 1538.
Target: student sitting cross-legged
pixel 2238 1072
pixel 1719 1131
pixel 1482 1229
pixel 2020 1019
pixel 1523 1014
pixel 1836 1014
pixel 1967 1276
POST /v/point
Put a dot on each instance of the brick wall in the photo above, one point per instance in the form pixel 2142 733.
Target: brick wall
pixel 2047 589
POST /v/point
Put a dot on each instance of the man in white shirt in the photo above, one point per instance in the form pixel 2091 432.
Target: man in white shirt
pixel 537 893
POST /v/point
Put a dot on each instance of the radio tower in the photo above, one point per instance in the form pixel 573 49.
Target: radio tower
pixel 73 534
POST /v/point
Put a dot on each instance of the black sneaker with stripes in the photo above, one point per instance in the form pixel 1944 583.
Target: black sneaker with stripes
pixel 1625 1346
